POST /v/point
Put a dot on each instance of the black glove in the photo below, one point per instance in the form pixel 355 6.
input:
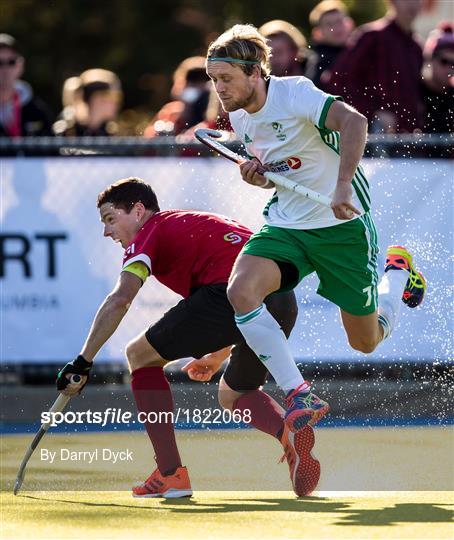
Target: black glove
pixel 79 366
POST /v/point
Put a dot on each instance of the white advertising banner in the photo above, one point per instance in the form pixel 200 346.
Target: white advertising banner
pixel 56 267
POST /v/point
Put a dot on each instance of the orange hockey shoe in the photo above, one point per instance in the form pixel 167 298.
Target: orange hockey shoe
pixel 304 468
pixel 172 486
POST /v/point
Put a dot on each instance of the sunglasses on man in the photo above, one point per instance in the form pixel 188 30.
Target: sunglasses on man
pixel 445 61
pixel 8 62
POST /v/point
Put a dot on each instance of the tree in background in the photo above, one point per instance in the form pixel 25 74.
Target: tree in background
pixel 140 40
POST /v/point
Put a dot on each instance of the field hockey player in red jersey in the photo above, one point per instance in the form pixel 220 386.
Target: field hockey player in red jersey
pixel 192 253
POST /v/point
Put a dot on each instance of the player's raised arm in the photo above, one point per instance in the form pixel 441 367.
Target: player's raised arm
pixel 106 321
pixel 352 127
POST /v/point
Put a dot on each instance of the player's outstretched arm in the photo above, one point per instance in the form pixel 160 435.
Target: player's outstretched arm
pixel 106 321
pixel 353 134
pixel 204 368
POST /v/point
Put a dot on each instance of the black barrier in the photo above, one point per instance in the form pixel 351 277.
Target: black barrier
pixel 391 146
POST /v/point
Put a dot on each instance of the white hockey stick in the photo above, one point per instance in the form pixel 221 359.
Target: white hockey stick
pixel 209 136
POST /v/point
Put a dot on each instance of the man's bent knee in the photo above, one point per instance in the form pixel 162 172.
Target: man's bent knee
pixel 226 399
pixel 140 353
pixel 252 279
pixel 364 333
pixel 227 396
pixel 242 296
pixel 365 346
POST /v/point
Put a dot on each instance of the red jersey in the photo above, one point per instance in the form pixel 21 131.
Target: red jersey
pixel 185 250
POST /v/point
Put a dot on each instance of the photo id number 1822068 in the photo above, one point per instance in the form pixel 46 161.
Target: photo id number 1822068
pixel 214 416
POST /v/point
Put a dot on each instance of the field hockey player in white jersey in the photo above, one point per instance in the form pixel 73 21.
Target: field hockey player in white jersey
pixel 291 127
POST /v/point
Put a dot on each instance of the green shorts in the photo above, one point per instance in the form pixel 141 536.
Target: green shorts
pixel 344 257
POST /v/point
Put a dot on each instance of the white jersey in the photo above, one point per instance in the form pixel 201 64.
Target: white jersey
pixel 288 134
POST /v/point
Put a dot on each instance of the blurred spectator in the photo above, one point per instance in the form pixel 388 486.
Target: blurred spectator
pixel 290 55
pixel 21 114
pixel 331 28
pixel 73 105
pixel 91 105
pixel 190 92
pixel 379 73
pixel 215 118
pixel 437 85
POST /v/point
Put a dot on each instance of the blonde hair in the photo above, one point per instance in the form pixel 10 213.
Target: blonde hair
pixel 325 7
pixel 180 74
pixel 98 75
pixel 71 91
pixel 243 42
pixel 100 80
pixel 295 38
pixel 278 27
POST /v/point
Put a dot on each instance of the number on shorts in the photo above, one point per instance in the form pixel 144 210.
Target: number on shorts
pixel 368 290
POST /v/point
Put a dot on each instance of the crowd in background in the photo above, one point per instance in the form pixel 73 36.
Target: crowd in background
pixel 381 68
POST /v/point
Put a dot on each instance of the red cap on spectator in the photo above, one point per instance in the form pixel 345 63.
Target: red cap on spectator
pixel 440 38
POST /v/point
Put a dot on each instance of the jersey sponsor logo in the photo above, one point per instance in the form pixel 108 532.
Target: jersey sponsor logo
pixel 278 166
pixel 294 162
pixel 279 130
pixel 285 164
pixel 232 237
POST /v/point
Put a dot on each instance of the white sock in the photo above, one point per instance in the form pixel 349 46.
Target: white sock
pixel 390 290
pixel 265 337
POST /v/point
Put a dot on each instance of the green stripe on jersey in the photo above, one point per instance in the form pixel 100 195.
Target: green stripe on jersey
pixel 326 106
pixel 359 182
pixel 273 200
pixel 360 195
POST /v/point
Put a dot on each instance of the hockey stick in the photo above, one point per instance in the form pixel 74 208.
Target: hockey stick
pixel 58 406
pixel 209 136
